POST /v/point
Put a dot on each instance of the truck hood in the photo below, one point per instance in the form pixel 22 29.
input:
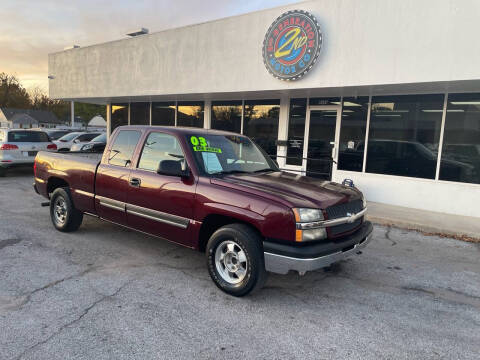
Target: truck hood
pixel 290 189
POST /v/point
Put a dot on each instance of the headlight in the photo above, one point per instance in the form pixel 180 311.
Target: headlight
pixel 87 147
pixel 307 228
pixel 307 215
pixel 364 200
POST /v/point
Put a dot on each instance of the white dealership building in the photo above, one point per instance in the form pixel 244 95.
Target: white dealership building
pixel 387 92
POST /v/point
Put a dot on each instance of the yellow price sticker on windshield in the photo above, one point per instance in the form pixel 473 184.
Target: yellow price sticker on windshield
pixel 207 149
pixel 200 144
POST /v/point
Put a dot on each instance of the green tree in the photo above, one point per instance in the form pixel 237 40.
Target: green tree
pixel 88 111
pixel 12 93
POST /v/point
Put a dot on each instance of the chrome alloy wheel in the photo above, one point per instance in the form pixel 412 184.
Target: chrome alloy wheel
pixel 231 262
pixel 60 210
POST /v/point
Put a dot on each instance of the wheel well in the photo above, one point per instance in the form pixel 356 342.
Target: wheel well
pixel 55 183
pixel 212 223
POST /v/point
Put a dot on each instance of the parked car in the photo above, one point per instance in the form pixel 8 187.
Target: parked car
pixel 96 145
pixel 402 158
pixel 19 147
pixel 66 141
pixel 212 191
pixel 55 134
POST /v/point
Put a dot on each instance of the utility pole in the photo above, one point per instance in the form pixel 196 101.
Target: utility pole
pixel 72 112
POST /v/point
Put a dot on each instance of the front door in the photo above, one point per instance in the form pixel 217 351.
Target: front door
pixel 320 150
pixel 157 204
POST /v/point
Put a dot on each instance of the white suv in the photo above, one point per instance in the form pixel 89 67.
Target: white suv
pixel 19 147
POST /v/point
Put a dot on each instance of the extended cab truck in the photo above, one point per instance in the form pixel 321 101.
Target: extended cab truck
pixel 212 191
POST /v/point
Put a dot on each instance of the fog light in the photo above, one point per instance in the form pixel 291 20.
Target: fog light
pixel 311 234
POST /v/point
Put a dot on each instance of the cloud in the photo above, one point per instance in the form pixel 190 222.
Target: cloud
pixel 30 30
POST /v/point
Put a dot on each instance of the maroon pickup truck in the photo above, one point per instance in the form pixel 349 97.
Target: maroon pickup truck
pixel 209 190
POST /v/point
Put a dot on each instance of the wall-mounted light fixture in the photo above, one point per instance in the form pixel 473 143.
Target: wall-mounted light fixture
pixel 136 32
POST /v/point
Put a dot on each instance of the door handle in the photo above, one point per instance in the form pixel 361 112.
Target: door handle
pixel 135 182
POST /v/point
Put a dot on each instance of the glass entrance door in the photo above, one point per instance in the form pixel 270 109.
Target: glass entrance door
pixel 320 148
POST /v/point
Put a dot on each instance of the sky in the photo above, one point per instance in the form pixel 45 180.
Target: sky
pixel 31 29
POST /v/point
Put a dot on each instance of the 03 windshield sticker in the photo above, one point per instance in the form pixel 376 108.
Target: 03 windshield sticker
pixel 200 144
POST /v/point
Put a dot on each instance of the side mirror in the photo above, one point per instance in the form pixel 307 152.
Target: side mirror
pixel 172 168
pixel 76 141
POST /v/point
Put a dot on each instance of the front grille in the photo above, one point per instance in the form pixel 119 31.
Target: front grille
pixel 341 210
pixel 343 228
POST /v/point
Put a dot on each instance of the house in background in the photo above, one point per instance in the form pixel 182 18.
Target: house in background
pixel 97 123
pixel 26 119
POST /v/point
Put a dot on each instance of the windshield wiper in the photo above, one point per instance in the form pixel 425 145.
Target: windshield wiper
pixel 231 172
pixel 264 170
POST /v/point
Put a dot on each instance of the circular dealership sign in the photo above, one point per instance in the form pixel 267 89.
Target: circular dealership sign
pixel 292 45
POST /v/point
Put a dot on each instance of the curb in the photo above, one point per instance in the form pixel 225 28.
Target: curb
pixel 428 230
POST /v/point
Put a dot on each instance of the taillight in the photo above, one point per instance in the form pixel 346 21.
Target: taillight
pixel 8 147
pixel 52 147
pixel 35 169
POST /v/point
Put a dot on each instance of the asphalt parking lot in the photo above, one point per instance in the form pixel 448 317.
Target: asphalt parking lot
pixel 105 292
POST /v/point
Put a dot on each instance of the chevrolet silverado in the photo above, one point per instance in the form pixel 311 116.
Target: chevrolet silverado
pixel 212 191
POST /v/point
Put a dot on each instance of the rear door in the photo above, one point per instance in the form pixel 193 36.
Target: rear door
pixel 111 184
pixel 161 205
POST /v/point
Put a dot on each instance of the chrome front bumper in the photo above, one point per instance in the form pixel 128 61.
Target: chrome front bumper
pixel 282 264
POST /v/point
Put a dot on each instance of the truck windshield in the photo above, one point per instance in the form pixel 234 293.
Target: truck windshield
pixel 228 154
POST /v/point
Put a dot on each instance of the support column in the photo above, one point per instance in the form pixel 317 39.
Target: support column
pixel 207 117
pixel 109 119
pixel 283 130
pixel 72 113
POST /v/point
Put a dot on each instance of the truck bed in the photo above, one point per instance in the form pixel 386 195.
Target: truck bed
pixel 76 169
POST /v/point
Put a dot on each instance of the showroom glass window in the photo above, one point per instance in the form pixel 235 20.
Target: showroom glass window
pixel 140 113
pixel 261 123
pixel 296 131
pixel 227 115
pixel 461 140
pixel 163 113
pixel 404 135
pixel 119 115
pixel 324 101
pixel 352 133
pixel 190 113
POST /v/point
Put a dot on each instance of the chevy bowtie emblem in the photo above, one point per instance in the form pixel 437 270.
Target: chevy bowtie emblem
pixel 351 218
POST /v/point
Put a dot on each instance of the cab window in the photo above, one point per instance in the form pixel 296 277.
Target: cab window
pixel 159 147
pixel 123 147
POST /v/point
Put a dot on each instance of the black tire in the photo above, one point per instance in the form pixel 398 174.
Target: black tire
pixel 247 241
pixel 61 207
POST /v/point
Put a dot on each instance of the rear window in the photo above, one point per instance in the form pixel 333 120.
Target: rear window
pixel 123 147
pixel 27 136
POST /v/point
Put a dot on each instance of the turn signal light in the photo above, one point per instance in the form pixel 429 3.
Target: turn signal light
pixel 52 147
pixel 8 147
